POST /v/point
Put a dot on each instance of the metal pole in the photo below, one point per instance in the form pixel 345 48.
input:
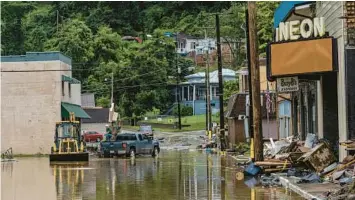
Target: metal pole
pixel 206 82
pixel 111 88
pixel 177 84
pixel 209 94
pixel 57 21
pixel 220 81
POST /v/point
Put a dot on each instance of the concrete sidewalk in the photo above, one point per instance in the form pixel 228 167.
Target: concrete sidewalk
pixel 307 190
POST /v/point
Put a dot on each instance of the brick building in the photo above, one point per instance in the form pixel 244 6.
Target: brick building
pixel 37 90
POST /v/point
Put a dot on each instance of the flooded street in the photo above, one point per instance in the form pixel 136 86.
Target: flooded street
pixel 184 174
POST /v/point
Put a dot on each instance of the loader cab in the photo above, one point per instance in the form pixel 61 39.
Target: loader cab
pixel 67 130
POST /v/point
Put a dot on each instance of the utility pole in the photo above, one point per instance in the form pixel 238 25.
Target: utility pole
pixel 57 21
pixel 255 81
pixel 209 92
pixel 178 82
pixel 208 95
pixel 220 81
pixel 111 88
pixel 250 113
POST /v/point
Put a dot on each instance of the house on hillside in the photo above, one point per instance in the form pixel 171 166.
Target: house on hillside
pixel 193 91
pixel 195 48
pixel 34 99
pixel 131 38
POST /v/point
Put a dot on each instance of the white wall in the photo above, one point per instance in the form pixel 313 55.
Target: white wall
pixel 332 11
pixel 75 97
pixel 30 105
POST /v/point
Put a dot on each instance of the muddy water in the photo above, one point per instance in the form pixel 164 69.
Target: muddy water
pixel 174 175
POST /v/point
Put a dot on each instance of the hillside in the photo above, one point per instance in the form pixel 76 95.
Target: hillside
pixel 91 34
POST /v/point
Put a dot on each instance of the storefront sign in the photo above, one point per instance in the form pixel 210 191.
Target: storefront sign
pixel 288 84
pixel 306 28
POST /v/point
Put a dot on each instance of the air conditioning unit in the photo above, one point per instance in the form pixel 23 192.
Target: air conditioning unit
pixel 241 117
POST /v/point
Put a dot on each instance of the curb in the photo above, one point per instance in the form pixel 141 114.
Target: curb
pixel 288 185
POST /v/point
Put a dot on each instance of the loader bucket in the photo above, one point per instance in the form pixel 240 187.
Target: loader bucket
pixel 80 156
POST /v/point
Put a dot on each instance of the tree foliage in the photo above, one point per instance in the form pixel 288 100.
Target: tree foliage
pixel 91 34
pixel 230 88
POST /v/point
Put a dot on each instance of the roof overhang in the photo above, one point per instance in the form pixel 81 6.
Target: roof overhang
pixel 292 10
pixel 70 80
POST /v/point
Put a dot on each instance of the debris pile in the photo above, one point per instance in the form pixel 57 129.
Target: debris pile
pixel 311 161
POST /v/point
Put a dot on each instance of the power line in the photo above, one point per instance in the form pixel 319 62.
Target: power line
pixel 139 75
pixel 130 86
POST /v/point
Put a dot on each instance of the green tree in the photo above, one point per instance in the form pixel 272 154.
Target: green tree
pixel 12 36
pixel 107 45
pixel 74 39
pixel 265 15
pixel 38 27
pixel 230 88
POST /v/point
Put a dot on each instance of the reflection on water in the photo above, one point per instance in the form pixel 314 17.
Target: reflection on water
pixel 74 181
pixel 174 175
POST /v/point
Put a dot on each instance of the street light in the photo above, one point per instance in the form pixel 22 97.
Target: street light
pixel 106 79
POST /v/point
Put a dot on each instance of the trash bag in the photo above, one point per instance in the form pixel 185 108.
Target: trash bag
pixel 296 172
pixel 311 140
pixel 270 181
pixel 345 180
pixel 310 178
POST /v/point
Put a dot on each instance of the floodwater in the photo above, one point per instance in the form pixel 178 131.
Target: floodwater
pixel 173 175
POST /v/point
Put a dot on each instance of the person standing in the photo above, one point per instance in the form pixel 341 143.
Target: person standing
pixel 108 134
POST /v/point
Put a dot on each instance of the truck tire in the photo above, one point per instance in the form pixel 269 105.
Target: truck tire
pixel 132 153
pixel 106 155
pixel 155 152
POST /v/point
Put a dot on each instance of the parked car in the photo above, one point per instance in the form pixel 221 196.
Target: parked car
pixel 129 144
pixel 92 136
pixel 146 129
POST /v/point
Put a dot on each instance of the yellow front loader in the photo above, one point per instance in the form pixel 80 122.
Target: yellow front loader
pixel 68 144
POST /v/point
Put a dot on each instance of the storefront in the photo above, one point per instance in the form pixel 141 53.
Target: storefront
pixel 312 54
pixel 301 55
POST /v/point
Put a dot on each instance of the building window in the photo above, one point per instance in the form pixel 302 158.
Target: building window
pixel 63 88
pixel 193 45
pixel 69 89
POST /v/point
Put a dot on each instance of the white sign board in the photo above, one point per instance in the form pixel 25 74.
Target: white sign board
pixel 287 84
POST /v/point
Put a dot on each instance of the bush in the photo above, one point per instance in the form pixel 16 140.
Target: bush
pixel 185 110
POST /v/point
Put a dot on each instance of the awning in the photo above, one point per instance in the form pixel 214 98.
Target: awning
pixel 70 79
pixel 76 109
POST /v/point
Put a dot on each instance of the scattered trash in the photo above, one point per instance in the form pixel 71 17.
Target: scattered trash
pixel 270 181
pixel 250 181
pixel 310 178
pixel 337 175
pixel 318 158
pixel 310 140
pixel 252 169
